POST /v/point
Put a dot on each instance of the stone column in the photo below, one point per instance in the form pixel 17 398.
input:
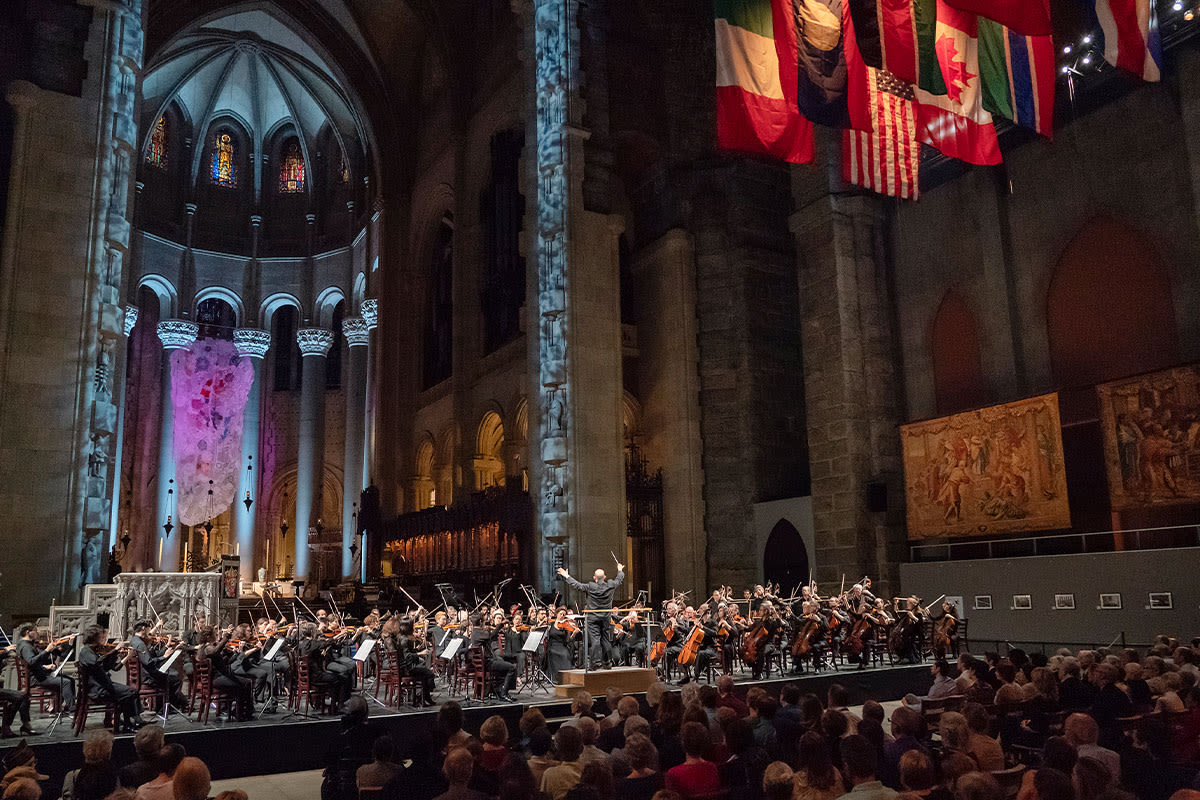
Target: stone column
pixel 370 315
pixel 175 334
pixel 120 382
pixel 251 343
pixel 851 395
pixel 357 338
pixel 314 346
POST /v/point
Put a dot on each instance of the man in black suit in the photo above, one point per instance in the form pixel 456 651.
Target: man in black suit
pixel 41 666
pixel 600 591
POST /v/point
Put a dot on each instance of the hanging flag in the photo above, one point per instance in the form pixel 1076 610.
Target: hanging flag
pixel 881 151
pixel 950 112
pixel 1028 17
pixel 821 93
pixel 1018 76
pixel 1129 36
pixel 757 69
pixel 886 37
pixel 887 159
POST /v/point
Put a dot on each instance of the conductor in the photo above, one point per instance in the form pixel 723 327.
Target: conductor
pixel 599 591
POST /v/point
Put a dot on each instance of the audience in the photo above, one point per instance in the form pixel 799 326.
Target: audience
pixel 192 780
pixel 695 776
pixel 860 765
pixel 458 768
pixel 778 782
pixel 162 785
pixel 383 766
pixel 815 776
pixel 97 777
pixel 147 744
pixel 562 777
pixel 643 779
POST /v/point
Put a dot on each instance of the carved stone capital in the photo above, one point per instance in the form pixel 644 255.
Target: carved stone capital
pixel 314 341
pixel 356 331
pixel 177 334
pixel 252 342
pixel 131 318
pixel 370 313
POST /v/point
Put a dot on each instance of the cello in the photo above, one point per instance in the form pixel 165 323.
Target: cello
pixel 756 638
pixel 691 645
pixel 659 649
pixel 806 637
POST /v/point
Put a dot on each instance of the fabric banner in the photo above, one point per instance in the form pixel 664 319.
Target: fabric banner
pixel 1018 76
pixel 210 383
pixel 990 471
pixel 821 91
pixel 757 60
pixel 1151 429
pixel 1129 36
pixel 1027 17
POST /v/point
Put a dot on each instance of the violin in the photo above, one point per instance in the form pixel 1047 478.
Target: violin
pixel 568 626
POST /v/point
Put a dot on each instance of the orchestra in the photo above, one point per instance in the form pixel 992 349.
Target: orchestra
pixel 260 663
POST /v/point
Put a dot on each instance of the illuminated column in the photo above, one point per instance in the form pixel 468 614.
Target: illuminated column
pixel 370 315
pixel 357 337
pixel 253 344
pixel 175 334
pixel 314 346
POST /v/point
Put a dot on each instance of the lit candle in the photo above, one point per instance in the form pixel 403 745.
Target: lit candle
pixel 160 544
pixel 237 549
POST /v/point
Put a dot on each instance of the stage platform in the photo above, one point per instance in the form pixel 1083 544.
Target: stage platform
pixel 630 680
pixel 282 742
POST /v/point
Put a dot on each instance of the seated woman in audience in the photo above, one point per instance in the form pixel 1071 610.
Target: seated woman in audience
pixel 777 781
pixel 953 765
pixel 643 780
pixel 742 771
pixel 98 776
pixel 1058 755
pixel 986 751
pixel 540 756
pixel 833 728
pixel 1009 693
pixel 1185 744
pixel 816 778
pixel 955 734
pixel 978 786
pixel 1091 779
pixel 694 776
pixel 919 778
pixel 1166 693
pixel 665 731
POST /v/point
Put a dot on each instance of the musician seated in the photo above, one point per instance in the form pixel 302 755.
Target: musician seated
pixel 12 703
pixel 41 665
pixel 151 658
pixel 96 660
pixel 487 637
pixel 218 652
pixel 411 653
pixel 338 685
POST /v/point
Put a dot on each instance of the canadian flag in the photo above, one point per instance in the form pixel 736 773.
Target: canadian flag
pixel 956 123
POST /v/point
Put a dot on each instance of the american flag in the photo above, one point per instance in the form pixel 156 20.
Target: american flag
pixel 888 158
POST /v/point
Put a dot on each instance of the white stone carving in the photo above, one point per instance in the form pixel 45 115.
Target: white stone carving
pixel 252 342
pixel 370 313
pixel 314 341
pixel 356 331
pixel 131 318
pixel 176 334
pixel 174 596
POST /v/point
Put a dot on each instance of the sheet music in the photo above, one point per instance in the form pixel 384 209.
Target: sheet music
pixel 533 641
pixel 70 653
pixel 452 649
pixel 274 651
pixel 171 659
pixel 364 650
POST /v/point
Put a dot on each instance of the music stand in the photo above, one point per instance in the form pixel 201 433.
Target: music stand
pixel 55 674
pixel 534 646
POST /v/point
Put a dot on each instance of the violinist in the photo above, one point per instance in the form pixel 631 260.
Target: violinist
pixel 41 665
pixel 514 639
pixel 150 657
pixel 96 660
pixel 248 663
pixel 13 702
pixel 340 661
pixel 630 640
pixel 339 685
pixel 411 651
pixel 559 638
pixel 487 637
pixel 217 650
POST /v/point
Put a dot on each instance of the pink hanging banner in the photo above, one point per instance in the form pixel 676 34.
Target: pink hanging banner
pixel 210 383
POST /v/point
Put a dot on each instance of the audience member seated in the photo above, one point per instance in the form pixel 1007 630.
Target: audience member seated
pixel 162 785
pixel 727 698
pixel 815 776
pixel 97 777
pixel 906 728
pixel 458 767
pixel 643 779
pixel 944 684
pixel 383 766
pixel 1109 706
pixel 695 777
pixel 978 786
pixel 741 773
pixel 589 730
pixel 918 777
pixel 147 744
pixel 860 765
pixel 192 780
pixel 778 781
pixel 1058 755
pixel 561 778
pixel 986 751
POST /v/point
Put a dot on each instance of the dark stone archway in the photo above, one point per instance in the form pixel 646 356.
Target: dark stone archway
pixel 785 558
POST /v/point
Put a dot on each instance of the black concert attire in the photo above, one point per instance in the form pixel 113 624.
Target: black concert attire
pixel 250 666
pixel 708 648
pixel 514 640
pixel 224 678
pixel 12 703
pixel 599 596
pixel 413 665
pixel 635 644
pixel 487 639
pixel 93 671
pixel 675 642
pixel 558 652
pixel 341 663
pixel 150 659
pixel 339 685
pixel 41 672
pixel 769 646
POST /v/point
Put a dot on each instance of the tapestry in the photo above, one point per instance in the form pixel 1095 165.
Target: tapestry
pixel 1152 438
pixel 209 386
pixel 990 471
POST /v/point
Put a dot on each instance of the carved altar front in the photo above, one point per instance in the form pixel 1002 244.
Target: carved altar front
pixel 173 596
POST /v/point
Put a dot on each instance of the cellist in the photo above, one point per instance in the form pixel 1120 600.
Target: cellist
pixel 765 632
pixel 945 631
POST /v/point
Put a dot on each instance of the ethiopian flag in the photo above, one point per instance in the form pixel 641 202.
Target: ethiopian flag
pixel 757 80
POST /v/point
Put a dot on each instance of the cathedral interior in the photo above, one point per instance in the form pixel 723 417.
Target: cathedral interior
pixel 470 292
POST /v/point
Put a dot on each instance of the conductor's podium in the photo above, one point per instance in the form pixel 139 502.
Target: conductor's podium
pixel 596 681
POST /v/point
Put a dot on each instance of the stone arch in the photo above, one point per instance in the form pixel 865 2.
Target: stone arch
pixel 631 417
pixel 955 354
pixel 168 297
pixel 231 298
pixel 422 480
pixel 489 451
pixel 445 469
pixel 281 508
pixel 273 303
pixel 785 558
pixel 1109 307
pixel 325 304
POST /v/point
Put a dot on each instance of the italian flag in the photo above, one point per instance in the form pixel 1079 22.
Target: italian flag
pixel 757 80
pixel 950 112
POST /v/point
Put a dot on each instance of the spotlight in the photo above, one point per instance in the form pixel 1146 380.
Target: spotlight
pixel 1087 60
pixel 1178 6
pixel 1065 69
pixel 1190 15
pixel 1066 49
pixel 1087 39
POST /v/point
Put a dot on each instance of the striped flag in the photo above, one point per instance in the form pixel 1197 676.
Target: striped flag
pixel 757 72
pixel 1018 76
pixel 1030 17
pixel 1129 36
pixel 887 159
pixel 885 35
pixel 881 151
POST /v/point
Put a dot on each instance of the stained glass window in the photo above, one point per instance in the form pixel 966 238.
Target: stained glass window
pixel 291 171
pixel 224 170
pixel 156 154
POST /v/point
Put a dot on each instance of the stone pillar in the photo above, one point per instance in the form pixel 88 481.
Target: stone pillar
pixel 175 334
pixel 120 382
pixel 576 356
pixel 357 338
pixel 370 315
pixel 251 343
pixel 851 394
pixel 314 346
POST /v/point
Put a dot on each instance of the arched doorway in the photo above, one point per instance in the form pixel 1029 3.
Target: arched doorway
pixel 785 558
